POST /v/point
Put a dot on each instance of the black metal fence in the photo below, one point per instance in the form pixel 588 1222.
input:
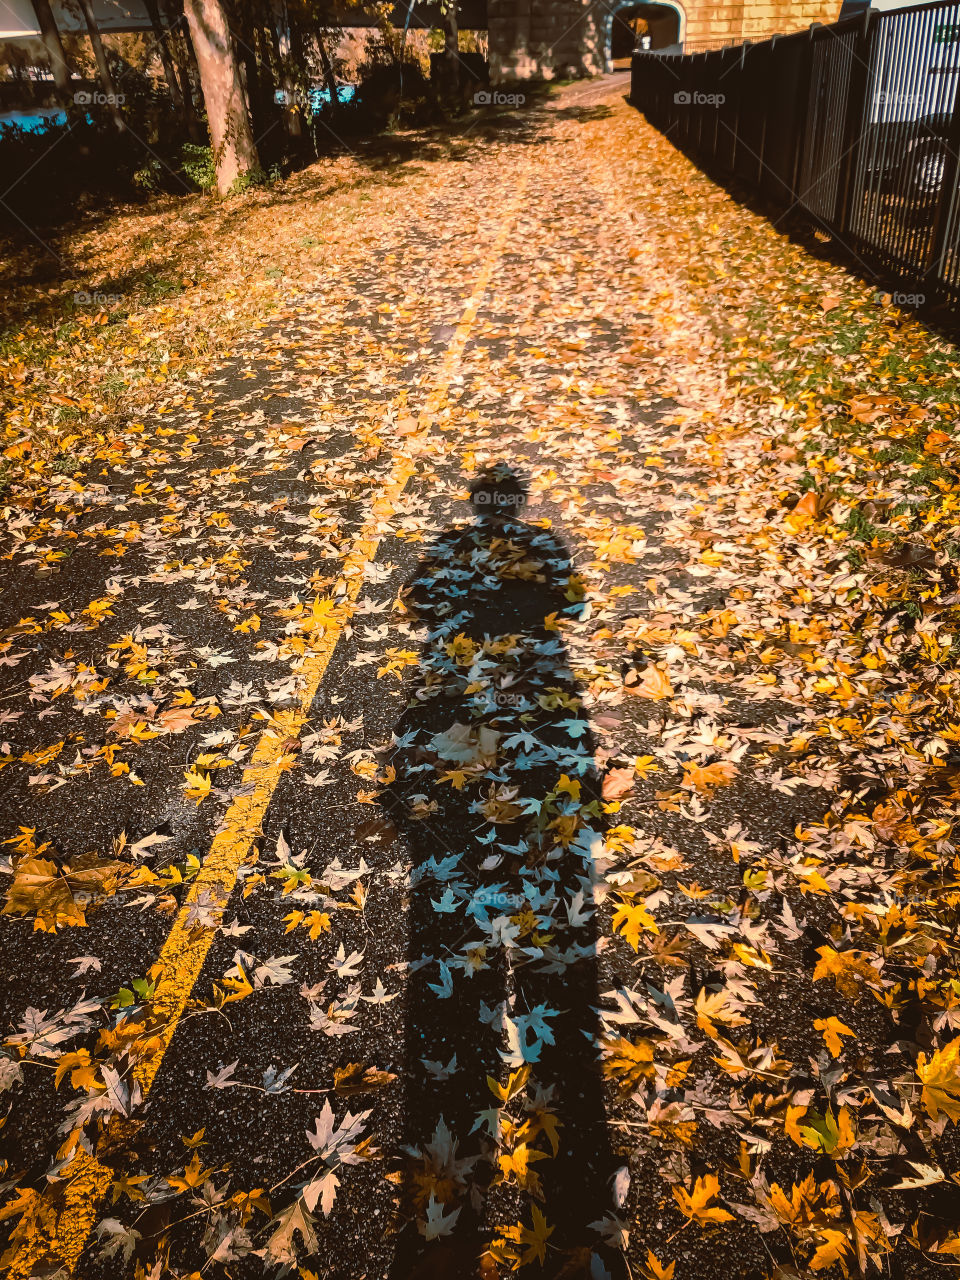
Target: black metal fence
pixel 856 125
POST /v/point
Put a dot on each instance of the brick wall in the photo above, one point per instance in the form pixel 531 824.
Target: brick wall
pixel 534 39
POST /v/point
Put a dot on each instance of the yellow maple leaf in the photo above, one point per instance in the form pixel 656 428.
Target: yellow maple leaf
pixel 831 1133
pixel 194 1175
pixel 535 1237
pixel 847 968
pixel 515 1082
pixel 832 1029
pixel 936 441
pixel 627 1062
pixel 60 896
pixel 236 987
pixel 76 1062
pixel 456 778
pixel 630 920
pixel 706 779
pixel 197 785
pixel 653 1269
pixel 644 765
pixel 715 1006
pixel 833 1247
pixel 695 1205
pixel 941 1080
pixel 516 1164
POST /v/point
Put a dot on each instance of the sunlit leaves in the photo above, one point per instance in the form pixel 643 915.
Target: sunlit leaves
pixel 940 1076
pixel 58 896
pixel 832 1029
pixel 696 1205
pixel 631 920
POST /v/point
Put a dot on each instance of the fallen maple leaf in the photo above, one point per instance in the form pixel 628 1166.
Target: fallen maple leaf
pixel 936 441
pixel 653 1269
pixel 356 1078
pixel 58 897
pixel 706 779
pixel 628 1063
pixel 941 1080
pixel 832 1029
pixel 617 783
pixel 695 1204
pixel 651 682
pixel 630 920
pixel 803 512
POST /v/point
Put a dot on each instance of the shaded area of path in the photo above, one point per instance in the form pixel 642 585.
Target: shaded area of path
pixel 494 702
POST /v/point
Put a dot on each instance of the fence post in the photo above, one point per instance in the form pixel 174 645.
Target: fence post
pixel 854 125
pixel 765 84
pixel 736 126
pixel 802 118
pixel 933 274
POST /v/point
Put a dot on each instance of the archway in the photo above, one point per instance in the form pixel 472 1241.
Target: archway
pixel 662 24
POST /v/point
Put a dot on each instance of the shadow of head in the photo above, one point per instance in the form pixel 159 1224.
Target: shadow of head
pixel 498 493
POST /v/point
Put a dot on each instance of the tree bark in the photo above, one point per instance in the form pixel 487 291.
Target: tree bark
pixel 328 75
pixel 163 48
pixel 234 149
pixel 451 51
pixel 103 66
pixel 282 39
pixel 181 47
pixel 50 36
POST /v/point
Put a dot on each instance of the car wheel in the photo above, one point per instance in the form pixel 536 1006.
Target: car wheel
pixel 927 167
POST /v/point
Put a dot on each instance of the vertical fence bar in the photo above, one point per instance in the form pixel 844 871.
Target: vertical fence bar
pixel 934 272
pixel 854 125
pixel 801 120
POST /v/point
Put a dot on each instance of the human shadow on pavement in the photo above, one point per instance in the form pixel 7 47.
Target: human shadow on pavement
pixel 497 800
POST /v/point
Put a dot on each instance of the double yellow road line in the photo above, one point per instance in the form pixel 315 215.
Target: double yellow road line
pixel 59 1225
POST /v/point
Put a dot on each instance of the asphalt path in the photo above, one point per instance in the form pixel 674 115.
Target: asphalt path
pixel 330 460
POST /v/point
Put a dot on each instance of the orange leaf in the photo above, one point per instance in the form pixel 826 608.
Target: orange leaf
pixel 652 682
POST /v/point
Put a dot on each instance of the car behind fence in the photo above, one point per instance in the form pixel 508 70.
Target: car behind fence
pixel 855 124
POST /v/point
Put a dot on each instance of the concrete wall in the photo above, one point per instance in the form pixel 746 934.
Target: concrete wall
pixel 530 39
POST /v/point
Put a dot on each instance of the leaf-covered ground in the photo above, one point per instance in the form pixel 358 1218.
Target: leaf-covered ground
pixel 557 880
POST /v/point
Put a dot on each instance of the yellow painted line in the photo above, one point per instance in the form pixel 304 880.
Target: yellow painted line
pixel 65 1214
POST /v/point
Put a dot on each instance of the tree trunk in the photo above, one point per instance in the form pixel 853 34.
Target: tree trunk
pixel 186 63
pixel 50 36
pixel 451 52
pixel 234 150
pixel 281 36
pixel 163 48
pixel 328 75
pixel 103 67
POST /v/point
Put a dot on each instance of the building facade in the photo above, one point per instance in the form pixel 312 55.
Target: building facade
pixel 532 39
